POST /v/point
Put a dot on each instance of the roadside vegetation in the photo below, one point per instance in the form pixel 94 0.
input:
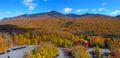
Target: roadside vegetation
pixel 44 50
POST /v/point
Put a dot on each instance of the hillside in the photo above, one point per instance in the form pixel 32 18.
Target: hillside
pixel 91 24
pixel 70 31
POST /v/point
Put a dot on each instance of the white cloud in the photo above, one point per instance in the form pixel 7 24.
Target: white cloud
pixel 104 3
pixel 67 10
pixel 29 4
pixel 31 7
pixel 49 10
pixel 115 12
pixel 93 10
pixel 100 9
pixel 8 12
pixel 81 10
pixel 19 13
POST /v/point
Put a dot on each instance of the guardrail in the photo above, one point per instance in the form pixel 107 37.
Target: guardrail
pixel 1 53
pixel 17 52
pixel 12 49
pixel 18 48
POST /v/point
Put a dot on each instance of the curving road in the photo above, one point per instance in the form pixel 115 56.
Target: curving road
pixel 17 53
pixel 62 54
pixel 20 53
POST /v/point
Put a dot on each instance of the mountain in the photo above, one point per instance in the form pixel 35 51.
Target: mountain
pixel 73 15
pixel 55 14
pixel 91 15
pixel 47 14
pixel 118 16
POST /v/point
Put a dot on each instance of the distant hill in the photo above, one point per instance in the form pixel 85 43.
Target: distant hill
pixel 118 16
pixel 73 15
pixel 55 14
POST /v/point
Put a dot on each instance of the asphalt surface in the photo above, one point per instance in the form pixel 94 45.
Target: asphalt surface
pixel 18 52
pixel 62 54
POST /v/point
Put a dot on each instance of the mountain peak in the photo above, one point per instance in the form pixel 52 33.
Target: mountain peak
pixel 53 11
pixel 88 14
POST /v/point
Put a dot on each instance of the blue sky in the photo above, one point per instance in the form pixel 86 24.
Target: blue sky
pixel 11 8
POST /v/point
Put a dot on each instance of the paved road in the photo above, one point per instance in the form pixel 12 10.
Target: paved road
pixel 101 50
pixel 62 54
pixel 18 53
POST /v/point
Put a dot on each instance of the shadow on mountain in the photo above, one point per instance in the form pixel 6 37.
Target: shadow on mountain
pixel 11 28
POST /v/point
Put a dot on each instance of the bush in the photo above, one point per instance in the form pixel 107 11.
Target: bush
pixel 80 52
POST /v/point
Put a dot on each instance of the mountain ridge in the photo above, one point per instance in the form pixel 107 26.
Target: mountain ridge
pixel 55 14
pixel 118 16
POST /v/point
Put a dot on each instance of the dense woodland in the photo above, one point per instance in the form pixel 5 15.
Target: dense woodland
pixel 100 32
